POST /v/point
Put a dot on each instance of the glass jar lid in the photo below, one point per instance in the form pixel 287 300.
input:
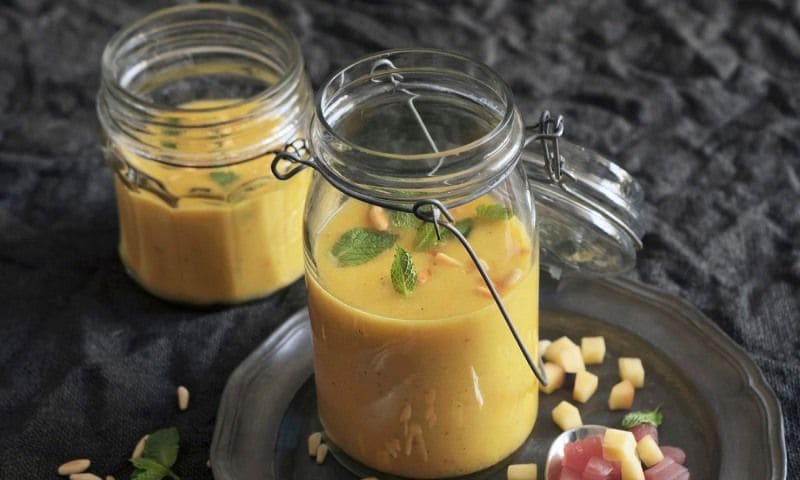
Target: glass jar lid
pixel 589 209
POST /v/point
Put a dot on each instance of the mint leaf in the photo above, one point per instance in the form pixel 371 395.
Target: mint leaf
pixel 403 219
pixel 149 474
pixel 147 468
pixel 404 276
pixel 162 446
pixel 494 212
pixel 426 234
pixel 652 417
pixel 464 226
pixel 426 237
pixel 361 245
pixel 223 178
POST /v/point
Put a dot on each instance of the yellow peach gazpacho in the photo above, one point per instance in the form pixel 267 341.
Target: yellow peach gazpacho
pixel 417 374
pixel 208 234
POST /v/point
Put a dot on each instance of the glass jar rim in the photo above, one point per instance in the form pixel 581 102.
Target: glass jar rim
pixel 120 39
pixel 322 100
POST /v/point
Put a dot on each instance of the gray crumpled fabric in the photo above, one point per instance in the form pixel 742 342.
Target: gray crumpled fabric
pixel 701 103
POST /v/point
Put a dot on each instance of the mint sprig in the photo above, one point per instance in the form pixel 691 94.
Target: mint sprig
pixel 403 219
pixel 493 212
pixel 404 275
pixel 651 417
pixel 223 178
pixel 426 234
pixel 159 455
pixel 360 245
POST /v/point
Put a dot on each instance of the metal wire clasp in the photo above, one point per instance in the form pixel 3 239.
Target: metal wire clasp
pixel 295 153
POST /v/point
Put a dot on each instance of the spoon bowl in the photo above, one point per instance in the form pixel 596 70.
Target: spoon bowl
pixel 556 451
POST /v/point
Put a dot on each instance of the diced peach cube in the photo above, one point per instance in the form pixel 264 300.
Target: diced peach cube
pixel 555 378
pixel 632 468
pixel 543 346
pixel 567 416
pixel 618 445
pixel 585 386
pixel 570 359
pixel 648 451
pixel 521 471
pixel 551 355
pixel 622 395
pixel 593 350
pixel 631 369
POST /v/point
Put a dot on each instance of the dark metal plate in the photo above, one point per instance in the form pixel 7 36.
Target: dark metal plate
pixel 716 403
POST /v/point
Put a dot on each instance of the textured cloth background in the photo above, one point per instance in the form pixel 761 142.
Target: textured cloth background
pixel 700 103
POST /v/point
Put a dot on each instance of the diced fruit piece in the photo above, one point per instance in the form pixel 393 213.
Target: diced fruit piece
pixel 569 474
pixel 577 454
pixel 632 468
pixel 555 377
pixel 648 451
pixel 552 352
pixel 593 350
pixel 631 369
pixel 521 471
pixel 667 470
pixel 597 469
pixel 543 346
pixel 618 444
pixel 585 386
pixel 675 453
pixel 570 359
pixel 567 416
pixel 644 429
pixel 621 397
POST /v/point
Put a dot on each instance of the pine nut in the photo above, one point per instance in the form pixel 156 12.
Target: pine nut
pixel 314 441
pixel 483 291
pixel 378 218
pixel 447 260
pixel 139 448
pixel 183 398
pixel 84 476
pixel 512 278
pixel 74 466
pixel 521 471
pixel 424 276
pixel 208 463
pixel 322 452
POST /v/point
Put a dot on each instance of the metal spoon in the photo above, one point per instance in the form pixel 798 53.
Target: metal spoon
pixel 556 451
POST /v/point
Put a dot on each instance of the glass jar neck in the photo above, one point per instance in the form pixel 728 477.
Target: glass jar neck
pixel 410 125
pixel 228 80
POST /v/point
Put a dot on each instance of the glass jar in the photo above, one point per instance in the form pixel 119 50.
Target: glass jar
pixel 193 101
pixel 417 374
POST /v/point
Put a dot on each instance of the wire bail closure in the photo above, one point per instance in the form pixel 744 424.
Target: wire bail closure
pixel 429 210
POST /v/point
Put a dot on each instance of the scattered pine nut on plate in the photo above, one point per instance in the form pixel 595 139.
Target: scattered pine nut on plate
pixel 314 441
pixel 78 465
pixel 322 452
pixel 183 398
pixel 84 476
pixel 139 448
pixel 521 471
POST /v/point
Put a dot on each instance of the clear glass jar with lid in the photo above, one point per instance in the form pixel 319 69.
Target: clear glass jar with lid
pixel 422 259
pixel 193 101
